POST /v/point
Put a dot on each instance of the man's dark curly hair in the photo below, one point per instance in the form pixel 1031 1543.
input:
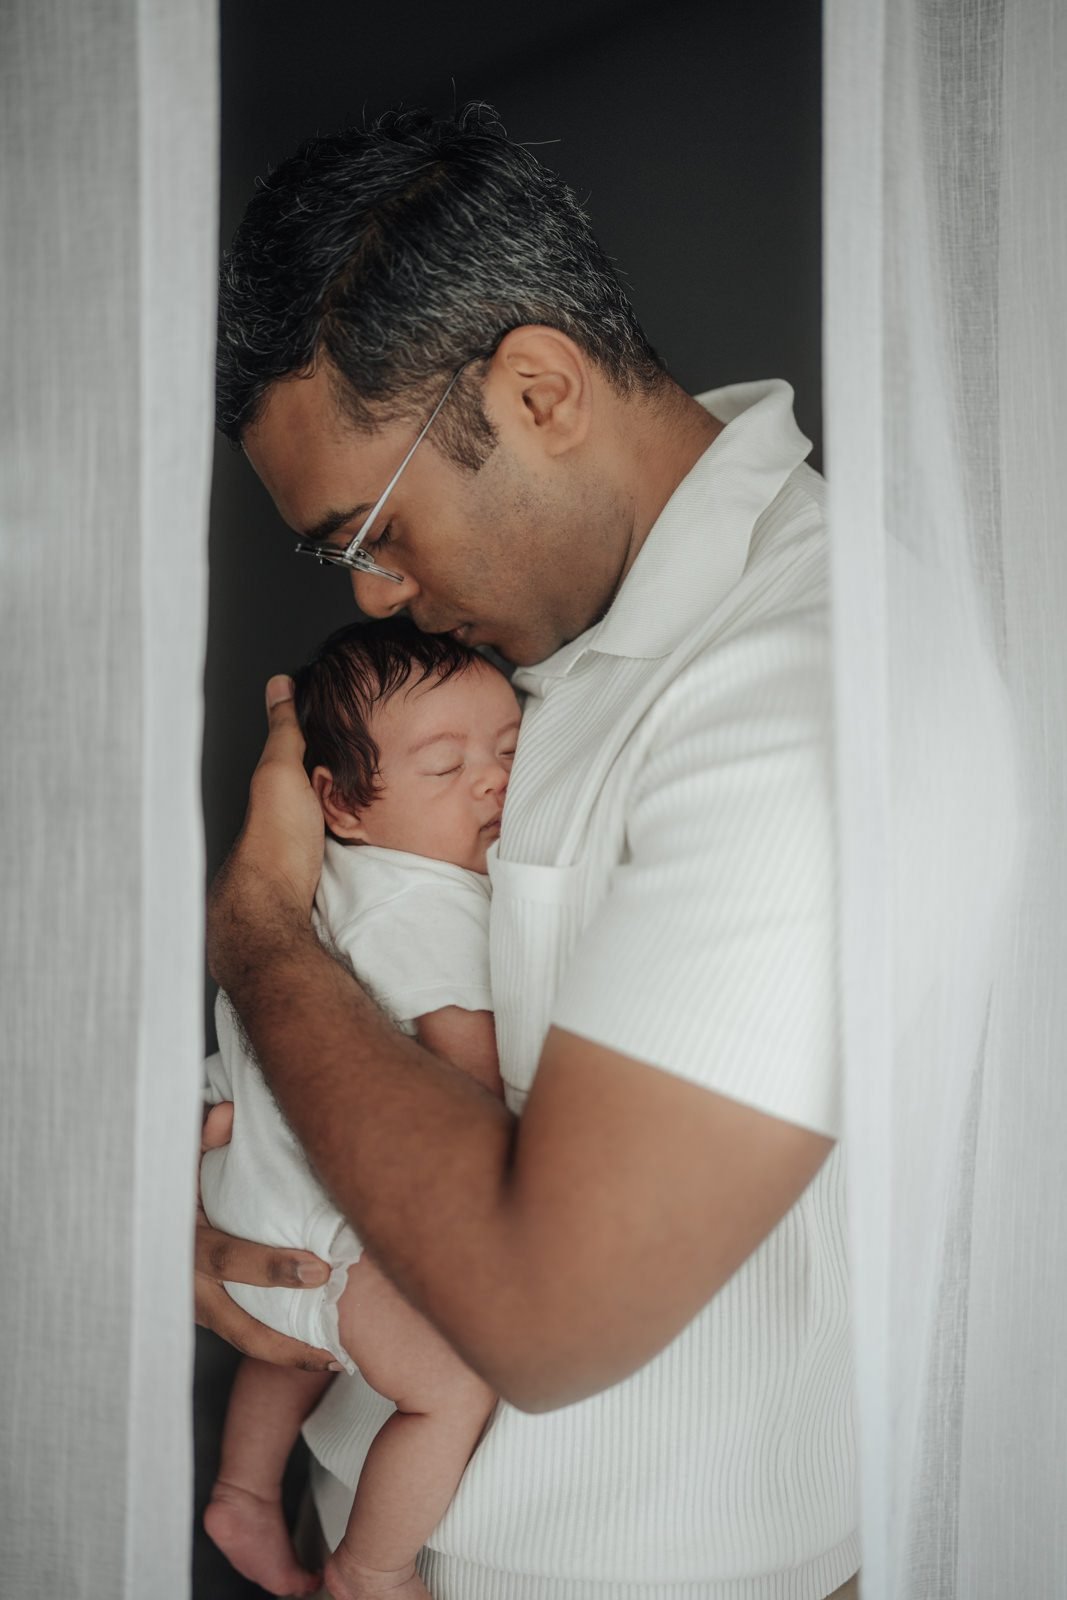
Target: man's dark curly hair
pixel 357 668
pixel 399 252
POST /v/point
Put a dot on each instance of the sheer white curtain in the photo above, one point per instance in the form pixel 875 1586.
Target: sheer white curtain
pixel 946 346
pixel 108 129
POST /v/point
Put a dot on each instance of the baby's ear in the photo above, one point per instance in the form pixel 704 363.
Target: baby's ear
pixel 341 820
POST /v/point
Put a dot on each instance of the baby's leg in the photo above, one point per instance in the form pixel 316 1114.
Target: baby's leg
pixel 415 1463
pixel 245 1519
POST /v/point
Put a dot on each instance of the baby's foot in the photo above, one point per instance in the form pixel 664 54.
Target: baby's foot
pixel 251 1533
pixel 347 1579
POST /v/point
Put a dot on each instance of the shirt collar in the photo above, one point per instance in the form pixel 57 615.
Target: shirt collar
pixel 697 548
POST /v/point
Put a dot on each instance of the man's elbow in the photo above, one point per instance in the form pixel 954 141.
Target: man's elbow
pixel 565 1349
pixel 539 1370
pixel 535 1386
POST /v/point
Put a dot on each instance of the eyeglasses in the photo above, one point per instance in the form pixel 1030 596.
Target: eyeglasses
pixel 353 555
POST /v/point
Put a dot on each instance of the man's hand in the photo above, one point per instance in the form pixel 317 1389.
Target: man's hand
pixel 220 1257
pixel 260 900
pixel 265 888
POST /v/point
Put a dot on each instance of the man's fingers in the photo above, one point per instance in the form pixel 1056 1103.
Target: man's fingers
pixel 217 1128
pixel 215 1310
pixel 225 1259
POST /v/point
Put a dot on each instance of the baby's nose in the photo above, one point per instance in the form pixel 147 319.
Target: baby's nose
pixel 494 777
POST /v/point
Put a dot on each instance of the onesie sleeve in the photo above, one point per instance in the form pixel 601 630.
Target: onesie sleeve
pixel 425 948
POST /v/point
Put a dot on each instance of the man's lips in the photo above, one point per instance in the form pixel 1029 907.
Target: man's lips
pixel 426 622
pixel 471 634
pixel 464 632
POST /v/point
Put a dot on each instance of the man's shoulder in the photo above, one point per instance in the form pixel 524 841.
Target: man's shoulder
pixel 790 550
pixel 754 668
pixel 775 621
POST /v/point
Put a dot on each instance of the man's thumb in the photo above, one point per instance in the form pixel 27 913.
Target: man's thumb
pixel 279 689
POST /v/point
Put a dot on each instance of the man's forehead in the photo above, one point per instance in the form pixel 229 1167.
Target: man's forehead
pixel 302 402
pixel 313 466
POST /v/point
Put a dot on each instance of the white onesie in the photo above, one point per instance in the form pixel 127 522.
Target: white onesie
pixel 417 934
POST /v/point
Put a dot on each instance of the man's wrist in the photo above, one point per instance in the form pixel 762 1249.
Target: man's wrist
pixel 255 933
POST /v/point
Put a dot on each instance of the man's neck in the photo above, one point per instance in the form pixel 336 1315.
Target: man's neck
pixel 664 438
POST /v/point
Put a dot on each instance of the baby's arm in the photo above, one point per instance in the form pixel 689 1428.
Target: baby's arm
pixel 467 1039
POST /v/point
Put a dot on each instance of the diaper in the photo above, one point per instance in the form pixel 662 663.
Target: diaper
pixel 261 1187
pixel 309 1314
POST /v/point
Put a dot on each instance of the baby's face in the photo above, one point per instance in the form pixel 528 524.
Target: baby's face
pixel 446 753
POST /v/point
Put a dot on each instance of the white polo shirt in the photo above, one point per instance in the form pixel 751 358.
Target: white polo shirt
pixel 664 885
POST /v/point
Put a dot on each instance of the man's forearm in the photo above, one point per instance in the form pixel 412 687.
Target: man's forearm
pixel 412 1150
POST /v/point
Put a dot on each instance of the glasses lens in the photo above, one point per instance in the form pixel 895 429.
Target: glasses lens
pixel 322 554
pixel 358 561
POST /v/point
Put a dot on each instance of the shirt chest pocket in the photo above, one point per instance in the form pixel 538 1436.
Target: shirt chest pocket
pixel 536 919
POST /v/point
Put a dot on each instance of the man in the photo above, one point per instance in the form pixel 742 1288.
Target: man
pixel 432 367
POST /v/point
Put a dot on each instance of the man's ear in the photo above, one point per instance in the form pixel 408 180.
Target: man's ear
pixel 341 820
pixel 542 383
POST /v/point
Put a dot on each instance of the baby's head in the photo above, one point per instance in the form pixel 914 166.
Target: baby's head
pixel 410 738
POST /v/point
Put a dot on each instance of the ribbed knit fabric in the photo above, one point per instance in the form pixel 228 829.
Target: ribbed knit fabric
pixel 449 1579
pixel 665 885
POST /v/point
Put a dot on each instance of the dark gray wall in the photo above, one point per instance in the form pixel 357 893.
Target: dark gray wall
pixel 690 127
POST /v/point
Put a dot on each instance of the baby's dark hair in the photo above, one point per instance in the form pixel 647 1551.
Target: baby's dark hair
pixel 357 668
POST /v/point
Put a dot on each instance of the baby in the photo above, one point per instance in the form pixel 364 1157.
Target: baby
pixel 410 739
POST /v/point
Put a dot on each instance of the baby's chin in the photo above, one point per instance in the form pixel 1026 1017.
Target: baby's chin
pixel 473 860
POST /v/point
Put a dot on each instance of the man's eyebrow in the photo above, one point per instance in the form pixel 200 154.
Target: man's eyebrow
pixel 334 520
pixel 457 738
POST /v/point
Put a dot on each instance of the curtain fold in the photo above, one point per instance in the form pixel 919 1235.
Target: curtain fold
pixel 946 281
pixel 108 124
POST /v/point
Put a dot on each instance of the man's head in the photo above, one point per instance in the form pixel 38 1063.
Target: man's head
pixel 410 740
pixel 369 269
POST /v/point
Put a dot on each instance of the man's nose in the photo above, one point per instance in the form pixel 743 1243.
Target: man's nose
pixel 377 597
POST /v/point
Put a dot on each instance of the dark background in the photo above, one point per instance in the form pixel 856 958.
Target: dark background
pixel 690 128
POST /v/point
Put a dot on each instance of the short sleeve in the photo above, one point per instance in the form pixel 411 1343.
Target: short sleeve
pixel 424 948
pixel 713 953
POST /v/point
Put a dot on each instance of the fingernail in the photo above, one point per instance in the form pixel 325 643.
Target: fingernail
pixel 335 1366
pixel 312 1273
pixel 278 689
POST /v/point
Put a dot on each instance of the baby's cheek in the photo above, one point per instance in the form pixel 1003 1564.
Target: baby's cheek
pixel 444 832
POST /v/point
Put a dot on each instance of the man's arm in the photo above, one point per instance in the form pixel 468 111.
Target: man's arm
pixel 557 1255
